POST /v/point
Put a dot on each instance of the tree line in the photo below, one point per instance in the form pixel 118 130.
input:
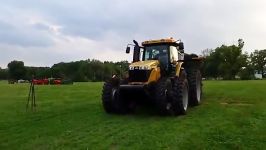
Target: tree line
pixel 224 62
pixel 229 62
pixel 78 71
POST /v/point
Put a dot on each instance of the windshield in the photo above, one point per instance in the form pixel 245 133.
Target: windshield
pixel 156 52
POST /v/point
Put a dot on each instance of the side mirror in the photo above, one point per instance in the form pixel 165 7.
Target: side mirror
pixel 128 50
pixel 181 46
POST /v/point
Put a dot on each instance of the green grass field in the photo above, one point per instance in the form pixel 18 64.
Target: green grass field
pixel 231 116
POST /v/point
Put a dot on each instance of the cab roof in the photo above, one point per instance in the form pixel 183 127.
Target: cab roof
pixel 160 41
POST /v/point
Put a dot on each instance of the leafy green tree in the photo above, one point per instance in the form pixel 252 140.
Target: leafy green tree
pixel 225 61
pixel 231 61
pixel 38 72
pixel 210 65
pixel 247 71
pixel 3 74
pixel 258 60
pixel 16 70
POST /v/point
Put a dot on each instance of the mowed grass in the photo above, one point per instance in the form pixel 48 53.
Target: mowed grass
pixel 232 116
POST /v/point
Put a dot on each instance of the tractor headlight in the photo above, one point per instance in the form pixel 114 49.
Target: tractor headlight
pixel 144 68
pixel 139 68
pixel 131 68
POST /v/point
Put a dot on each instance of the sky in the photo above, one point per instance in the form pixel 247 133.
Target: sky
pixel 45 32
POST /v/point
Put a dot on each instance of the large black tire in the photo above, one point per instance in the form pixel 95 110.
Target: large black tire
pixel 107 97
pixel 180 94
pixel 111 98
pixel 195 86
pixel 163 96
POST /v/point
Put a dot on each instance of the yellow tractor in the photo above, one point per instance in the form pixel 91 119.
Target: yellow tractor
pixel 161 74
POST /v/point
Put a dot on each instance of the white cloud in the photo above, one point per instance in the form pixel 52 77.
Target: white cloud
pixel 46 32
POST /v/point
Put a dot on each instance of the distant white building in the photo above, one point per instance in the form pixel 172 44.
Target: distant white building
pixel 258 75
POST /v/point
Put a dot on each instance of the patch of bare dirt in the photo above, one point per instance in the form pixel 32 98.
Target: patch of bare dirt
pixel 236 103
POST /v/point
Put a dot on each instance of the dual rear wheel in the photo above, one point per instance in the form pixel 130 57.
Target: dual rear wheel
pixel 173 96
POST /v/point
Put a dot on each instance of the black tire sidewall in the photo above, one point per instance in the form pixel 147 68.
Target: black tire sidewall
pixel 179 86
pixel 194 78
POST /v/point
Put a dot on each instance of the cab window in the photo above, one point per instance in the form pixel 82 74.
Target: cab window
pixel 156 52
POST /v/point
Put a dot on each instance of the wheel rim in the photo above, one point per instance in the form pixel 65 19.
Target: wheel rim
pixel 168 105
pixel 114 93
pixel 198 90
pixel 185 98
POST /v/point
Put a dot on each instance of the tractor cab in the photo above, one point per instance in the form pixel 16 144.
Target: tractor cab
pixel 160 54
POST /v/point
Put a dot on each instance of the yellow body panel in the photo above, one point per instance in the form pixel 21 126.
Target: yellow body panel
pixel 155 75
pixel 150 63
pixel 178 68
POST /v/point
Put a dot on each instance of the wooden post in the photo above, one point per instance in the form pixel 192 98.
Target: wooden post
pixel 31 97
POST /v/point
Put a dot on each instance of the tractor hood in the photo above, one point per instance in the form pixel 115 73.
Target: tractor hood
pixel 144 65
